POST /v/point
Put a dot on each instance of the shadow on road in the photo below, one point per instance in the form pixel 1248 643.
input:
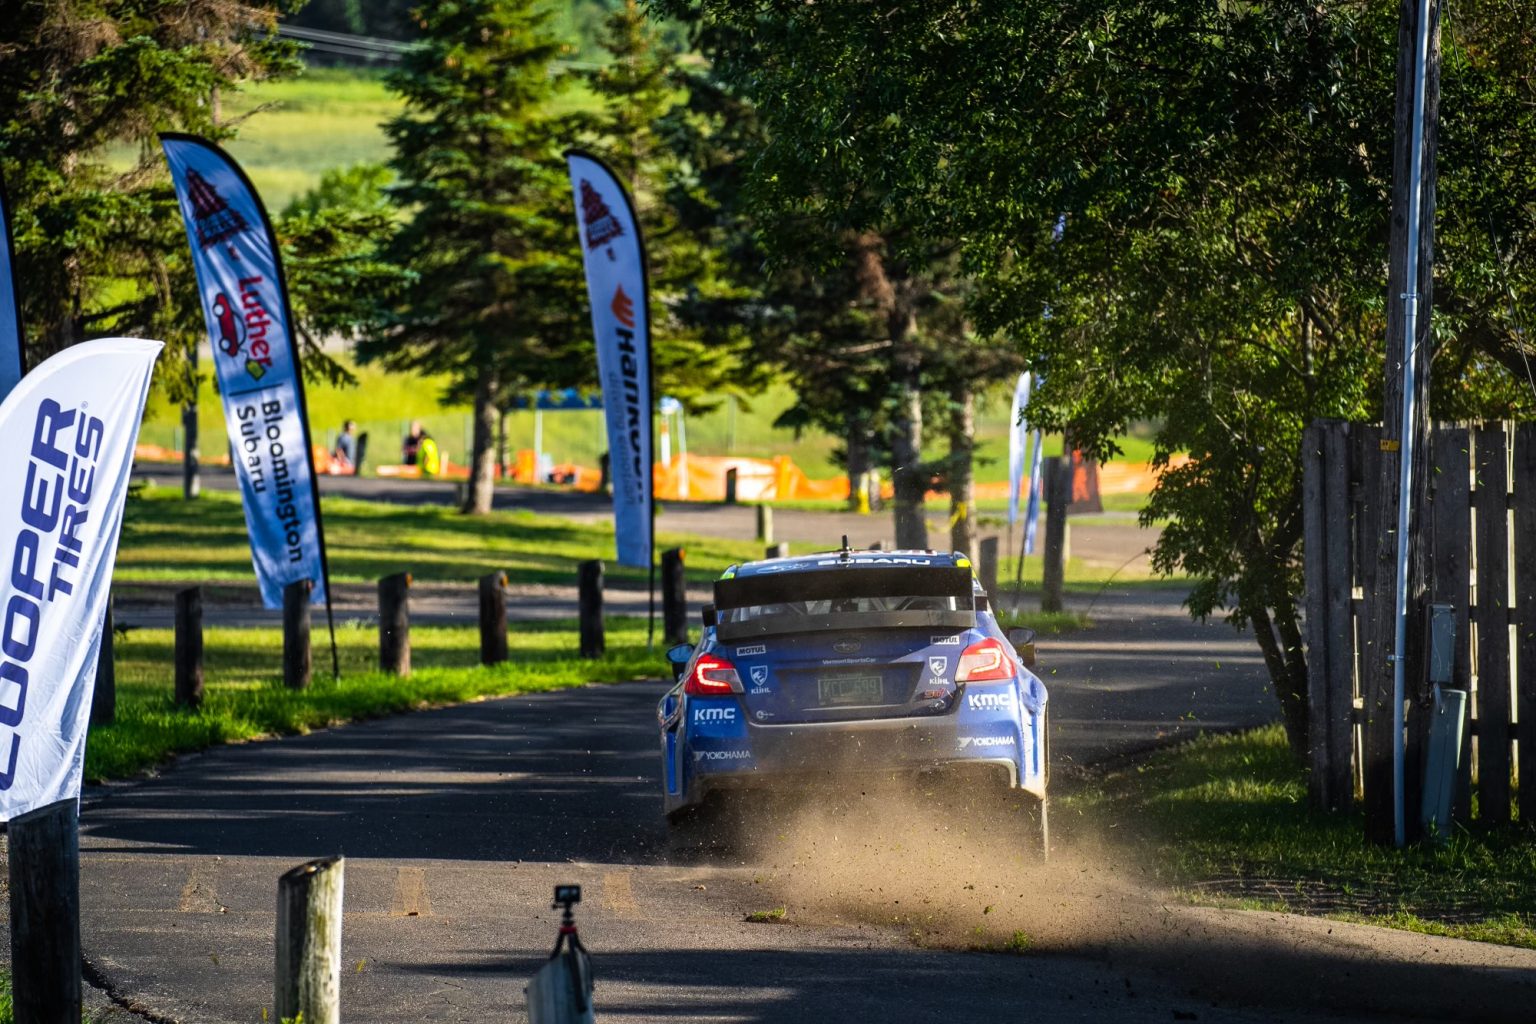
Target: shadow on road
pixel 562 776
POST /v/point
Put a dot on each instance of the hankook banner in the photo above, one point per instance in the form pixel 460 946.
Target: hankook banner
pixel 71 425
pixel 614 256
pixel 245 302
pixel 12 363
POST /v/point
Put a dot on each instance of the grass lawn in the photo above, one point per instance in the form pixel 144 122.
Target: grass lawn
pixel 166 538
pixel 1225 820
pixel 244 697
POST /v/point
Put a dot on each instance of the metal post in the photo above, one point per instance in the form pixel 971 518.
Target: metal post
pixel 1410 373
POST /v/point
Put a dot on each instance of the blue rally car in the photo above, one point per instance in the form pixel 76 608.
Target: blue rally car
pixel 823 666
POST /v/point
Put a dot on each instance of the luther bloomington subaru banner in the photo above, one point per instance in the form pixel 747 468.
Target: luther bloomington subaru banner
pixel 614 256
pixel 70 427
pixel 10 309
pixel 246 305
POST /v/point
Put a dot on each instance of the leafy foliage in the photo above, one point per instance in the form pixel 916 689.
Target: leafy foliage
pixel 1180 211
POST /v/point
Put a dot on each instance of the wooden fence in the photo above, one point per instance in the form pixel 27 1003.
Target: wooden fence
pixel 1481 547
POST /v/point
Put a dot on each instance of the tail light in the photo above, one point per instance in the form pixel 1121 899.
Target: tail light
pixel 984 661
pixel 712 677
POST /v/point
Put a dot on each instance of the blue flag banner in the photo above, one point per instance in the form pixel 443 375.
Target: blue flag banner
pixel 245 302
pixel 1024 450
pixel 614 257
pixel 71 425
pixel 12 363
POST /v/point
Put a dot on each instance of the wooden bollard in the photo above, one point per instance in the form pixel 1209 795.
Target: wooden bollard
pixel 296 656
pixel 395 624
pixel 765 524
pixel 493 618
pixel 104 697
pixel 674 597
pixel 779 550
pixel 309 943
pixel 45 914
pixel 589 591
pixel 189 647
pixel 730 486
pixel 1058 492
pixel 986 569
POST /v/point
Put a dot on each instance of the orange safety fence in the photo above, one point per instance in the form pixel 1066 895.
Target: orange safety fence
pixel 701 477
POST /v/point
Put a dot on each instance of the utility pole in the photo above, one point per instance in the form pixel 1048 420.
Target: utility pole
pixel 1393 665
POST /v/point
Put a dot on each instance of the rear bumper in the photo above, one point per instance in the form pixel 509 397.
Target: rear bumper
pixel 806 755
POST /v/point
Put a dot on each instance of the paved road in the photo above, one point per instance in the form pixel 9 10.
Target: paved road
pixel 456 822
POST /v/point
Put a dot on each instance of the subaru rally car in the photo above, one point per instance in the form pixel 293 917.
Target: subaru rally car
pixel 829 665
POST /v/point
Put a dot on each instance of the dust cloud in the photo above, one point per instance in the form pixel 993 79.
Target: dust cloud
pixel 950 867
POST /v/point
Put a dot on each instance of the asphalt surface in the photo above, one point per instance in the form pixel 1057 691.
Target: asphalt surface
pixel 456 822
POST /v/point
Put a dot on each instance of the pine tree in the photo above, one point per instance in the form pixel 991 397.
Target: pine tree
pixel 495 297
pixel 646 135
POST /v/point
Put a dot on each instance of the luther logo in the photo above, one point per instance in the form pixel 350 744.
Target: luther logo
pixel 623 307
pixel 241 333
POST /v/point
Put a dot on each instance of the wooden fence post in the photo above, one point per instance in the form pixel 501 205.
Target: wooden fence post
pixel 45 914
pixel 296 654
pixel 309 900
pixel 1058 493
pixel 1314 550
pixel 1524 482
pixel 1451 567
pixel 730 486
pixel 493 618
pixel 395 624
pixel 1375 676
pixel 674 597
pixel 765 523
pixel 589 589
pixel 779 550
pixel 986 568
pixel 1492 621
pixel 189 648
pixel 104 697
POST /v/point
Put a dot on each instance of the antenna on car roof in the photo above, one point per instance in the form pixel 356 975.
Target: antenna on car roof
pixel 846 551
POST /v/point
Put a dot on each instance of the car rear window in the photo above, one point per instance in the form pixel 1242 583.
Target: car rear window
pixel 844 597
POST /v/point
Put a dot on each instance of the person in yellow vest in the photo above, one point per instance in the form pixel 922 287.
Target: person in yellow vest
pixel 428 456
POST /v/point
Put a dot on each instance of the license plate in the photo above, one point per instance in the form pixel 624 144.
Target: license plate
pixel 843 691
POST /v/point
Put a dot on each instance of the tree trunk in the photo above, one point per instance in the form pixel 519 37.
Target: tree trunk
pixel 883 296
pixel 482 460
pixel 858 467
pixel 1291 694
pixel 962 497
